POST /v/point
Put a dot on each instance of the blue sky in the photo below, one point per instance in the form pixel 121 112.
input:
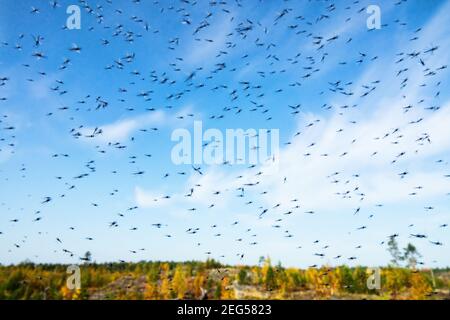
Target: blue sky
pixel 361 134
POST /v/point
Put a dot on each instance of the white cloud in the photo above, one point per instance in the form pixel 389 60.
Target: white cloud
pixel 203 51
pixel 122 129
pixel 309 177
pixel 146 199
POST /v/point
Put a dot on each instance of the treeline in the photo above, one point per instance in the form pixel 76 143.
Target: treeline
pixel 212 280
